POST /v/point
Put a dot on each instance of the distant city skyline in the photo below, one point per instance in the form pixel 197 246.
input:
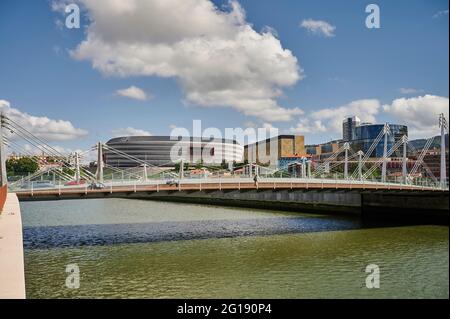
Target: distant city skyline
pixel 137 68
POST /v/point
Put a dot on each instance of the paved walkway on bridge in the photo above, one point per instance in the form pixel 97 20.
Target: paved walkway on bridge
pixel 12 276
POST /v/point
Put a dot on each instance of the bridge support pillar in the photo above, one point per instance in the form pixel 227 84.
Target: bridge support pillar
pixel 346 148
pixel 443 175
pixel 77 167
pixel 100 162
pixel 3 176
pixel 384 167
pixel 360 154
pixel 404 160
pixel 145 172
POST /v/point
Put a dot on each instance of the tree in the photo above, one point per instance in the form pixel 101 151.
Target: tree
pixel 199 164
pixel 21 166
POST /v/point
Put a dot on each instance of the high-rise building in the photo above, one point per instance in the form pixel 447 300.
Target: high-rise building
pixel 348 128
pixel 272 150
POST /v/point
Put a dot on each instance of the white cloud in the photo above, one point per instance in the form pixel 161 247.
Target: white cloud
pixel 133 92
pixel 218 58
pixel 330 119
pixel 308 126
pixel 440 14
pixel 420 113
pixel 41 126
pixel 130 131
pixel 318 27
pixel 409 90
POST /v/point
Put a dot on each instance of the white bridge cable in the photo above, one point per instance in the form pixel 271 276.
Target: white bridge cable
pixel 117 170
pixel 369 152
pixel 41 144
pixel 425 166
pixel 419 160
pixel 17 147
pixel 380 161
pixel 322 167
pixel 125 155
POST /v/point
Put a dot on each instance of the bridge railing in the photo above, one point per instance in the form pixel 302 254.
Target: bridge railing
pixel 61 185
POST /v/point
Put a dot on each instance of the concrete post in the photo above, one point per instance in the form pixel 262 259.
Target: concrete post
pixel 384 167
pixel 3 176
pixel 100 162
pixel 443 175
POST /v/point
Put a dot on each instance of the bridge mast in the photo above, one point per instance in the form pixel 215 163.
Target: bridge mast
pixel 100 162
pixel 77 168
pixel 346 148
pixel 3 176
pixel 383 169
pixel 405 159
pixel 360 155
pixel 443 125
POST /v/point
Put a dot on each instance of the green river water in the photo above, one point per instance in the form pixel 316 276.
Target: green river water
pixel 145 249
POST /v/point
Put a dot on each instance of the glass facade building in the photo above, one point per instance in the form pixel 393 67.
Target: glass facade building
pixel 366 134
pixel 348 128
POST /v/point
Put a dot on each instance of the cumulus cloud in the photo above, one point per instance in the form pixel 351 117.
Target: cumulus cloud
pixel 41 126
pixel 130 131
pixel 330 119
pixel 318 27
pixel 409 90
pixel 133 92
pixel 217 57
pixel 440 14
pixel 420 113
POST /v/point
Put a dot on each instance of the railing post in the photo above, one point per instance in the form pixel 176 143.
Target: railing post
pixel 85 189
pixel 157 187
pixel 135 186
pixel 110 188
pixel 32 193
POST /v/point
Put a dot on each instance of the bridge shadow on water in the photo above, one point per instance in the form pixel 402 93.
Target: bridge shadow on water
pixel 44 237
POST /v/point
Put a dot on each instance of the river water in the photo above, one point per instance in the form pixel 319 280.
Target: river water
pixel 146 249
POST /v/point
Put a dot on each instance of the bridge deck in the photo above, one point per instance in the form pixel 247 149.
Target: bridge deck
pixel 210 186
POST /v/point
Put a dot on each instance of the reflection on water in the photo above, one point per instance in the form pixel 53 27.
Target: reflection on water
pixel 131 248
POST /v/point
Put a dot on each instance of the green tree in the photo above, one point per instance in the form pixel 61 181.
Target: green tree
pixel 21 166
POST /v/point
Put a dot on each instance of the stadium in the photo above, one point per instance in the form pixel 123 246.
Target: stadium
pixel 166 151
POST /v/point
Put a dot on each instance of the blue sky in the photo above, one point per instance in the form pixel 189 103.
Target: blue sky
pixel 386 73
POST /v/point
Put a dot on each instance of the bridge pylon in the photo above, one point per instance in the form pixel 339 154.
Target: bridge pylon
pixel 346 149
pixel 444 126
pixel 99 173
pixel 404 160
pixel 360 155
pixel 3 175
pixel 386 131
